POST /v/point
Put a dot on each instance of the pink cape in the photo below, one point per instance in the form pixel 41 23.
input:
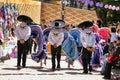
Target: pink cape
pixel 104 33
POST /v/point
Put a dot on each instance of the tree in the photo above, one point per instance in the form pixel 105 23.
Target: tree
pixel 106 15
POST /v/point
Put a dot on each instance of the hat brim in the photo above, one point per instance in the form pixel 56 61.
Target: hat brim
pixel 85 24
pixel 57 24
pixel 24 18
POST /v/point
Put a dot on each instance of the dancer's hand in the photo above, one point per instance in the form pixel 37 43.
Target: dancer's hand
pixel 22 41
pixel 93 49
pixel 55 45
pixel 89 49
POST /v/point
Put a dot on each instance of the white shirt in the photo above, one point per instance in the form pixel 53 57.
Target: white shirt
pixel 56 36
pixel 87 38
pixel 1 51
pixel 23 33
pixel 113 37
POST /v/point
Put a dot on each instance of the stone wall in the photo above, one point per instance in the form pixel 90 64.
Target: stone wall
pixel 37 11
pixel 32 10
pixel 73 16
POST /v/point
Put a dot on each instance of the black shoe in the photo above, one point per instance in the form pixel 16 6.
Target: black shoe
pixel 84 72
pixel 18 67
pixel 23 66
pixel 1 60
pixel 90 68
pixel 53 69
pixel 58 67
pixel 90 73
pixel 106 78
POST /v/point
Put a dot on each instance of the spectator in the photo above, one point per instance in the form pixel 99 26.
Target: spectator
pixel 110 61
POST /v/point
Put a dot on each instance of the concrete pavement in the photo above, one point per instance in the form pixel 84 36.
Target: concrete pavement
pixel 33 71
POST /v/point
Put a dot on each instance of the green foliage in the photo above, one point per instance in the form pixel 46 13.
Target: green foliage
pixel 106 15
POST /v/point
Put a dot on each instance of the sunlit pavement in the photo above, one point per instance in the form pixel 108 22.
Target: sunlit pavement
pixel 33 71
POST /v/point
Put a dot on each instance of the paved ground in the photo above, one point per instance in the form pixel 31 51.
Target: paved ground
pixel 33 71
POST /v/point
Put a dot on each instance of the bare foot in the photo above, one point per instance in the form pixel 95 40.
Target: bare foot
pixel 45 61
pixel 40 63
pixel 68 62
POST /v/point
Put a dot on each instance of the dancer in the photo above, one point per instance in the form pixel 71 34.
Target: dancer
pixel 56 37
pixel 70 47
pixel 22 33
pixel 88 41
pixel 37 35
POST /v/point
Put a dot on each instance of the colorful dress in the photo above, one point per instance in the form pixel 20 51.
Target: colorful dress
pixel 40 53
pixel 69 46
pixel 97 56
pixel 76 35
